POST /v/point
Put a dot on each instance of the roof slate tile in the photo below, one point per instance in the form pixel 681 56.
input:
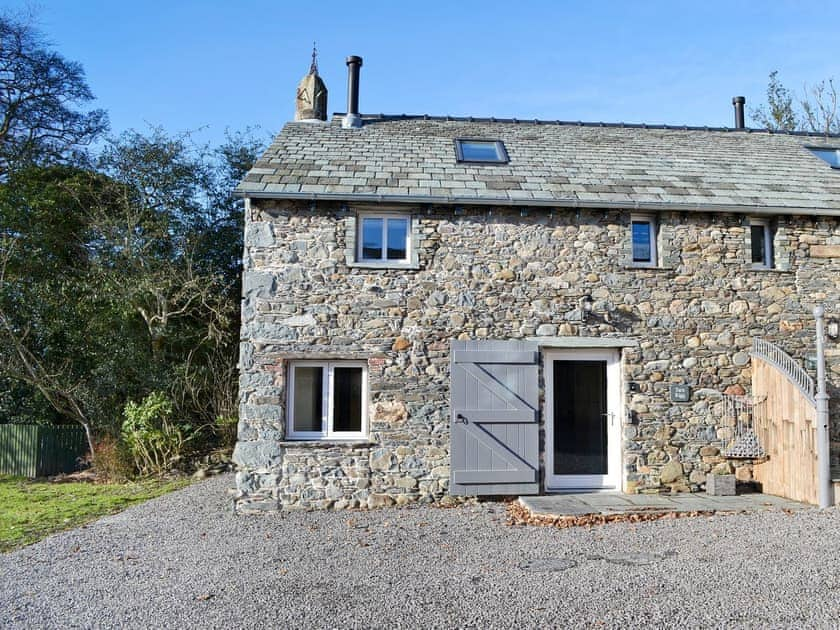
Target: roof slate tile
pixel 415 158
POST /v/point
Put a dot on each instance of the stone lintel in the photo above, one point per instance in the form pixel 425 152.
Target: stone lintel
pixel 584 342
pixel 334 355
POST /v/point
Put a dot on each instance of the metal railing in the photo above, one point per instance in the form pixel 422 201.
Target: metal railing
pixel 794 372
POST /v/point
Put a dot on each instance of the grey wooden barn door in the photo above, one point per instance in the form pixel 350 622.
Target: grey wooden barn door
pixel 495 418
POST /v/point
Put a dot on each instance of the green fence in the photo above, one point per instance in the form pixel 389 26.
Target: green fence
pixel 31 450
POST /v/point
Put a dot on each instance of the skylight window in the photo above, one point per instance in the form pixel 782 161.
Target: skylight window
pixel 488 151
pixel 829 155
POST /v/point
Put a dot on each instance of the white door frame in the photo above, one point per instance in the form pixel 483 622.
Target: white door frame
pixel 612 480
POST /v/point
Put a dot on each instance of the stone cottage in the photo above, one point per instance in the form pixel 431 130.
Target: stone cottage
pixel 438 305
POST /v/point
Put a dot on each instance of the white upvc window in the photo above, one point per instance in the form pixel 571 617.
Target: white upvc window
pixel 643 231
pixel 761 243
pixel 327 400
pixel 384 238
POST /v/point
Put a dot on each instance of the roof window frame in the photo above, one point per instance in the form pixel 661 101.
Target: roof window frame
pixel 501 151
pixel 816 149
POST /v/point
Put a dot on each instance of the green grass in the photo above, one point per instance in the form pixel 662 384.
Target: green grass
pixel 31 510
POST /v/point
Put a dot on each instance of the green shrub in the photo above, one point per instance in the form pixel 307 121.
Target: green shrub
pixel 154 440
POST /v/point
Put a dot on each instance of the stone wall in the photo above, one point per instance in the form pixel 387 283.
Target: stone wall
pixel 497 273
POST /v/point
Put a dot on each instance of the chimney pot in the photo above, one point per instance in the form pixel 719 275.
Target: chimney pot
pixel 738 102
pixel 352 118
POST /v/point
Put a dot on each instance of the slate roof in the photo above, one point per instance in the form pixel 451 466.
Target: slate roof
pixel 412 159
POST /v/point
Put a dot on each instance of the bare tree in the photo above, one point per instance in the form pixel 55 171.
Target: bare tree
pixel 819 107
pixel 41 94
pixel 816 110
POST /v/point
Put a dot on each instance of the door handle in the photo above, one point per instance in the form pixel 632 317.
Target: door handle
pixel 459 418
pixel 611 417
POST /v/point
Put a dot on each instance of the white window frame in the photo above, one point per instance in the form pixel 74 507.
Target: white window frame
pixel 769 249
pixel 653 230
pixel 328 389
pixel 383 256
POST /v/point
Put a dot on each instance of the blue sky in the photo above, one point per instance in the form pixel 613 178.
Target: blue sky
pixel 215 65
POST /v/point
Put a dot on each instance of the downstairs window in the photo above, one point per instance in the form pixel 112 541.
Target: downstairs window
pixel 327 400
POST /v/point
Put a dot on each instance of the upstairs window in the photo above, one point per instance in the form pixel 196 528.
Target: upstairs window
pixel 830 155
pixel 486 151
pixel 761 243
pixel 327 400
pixel 384 238
pixel 643 241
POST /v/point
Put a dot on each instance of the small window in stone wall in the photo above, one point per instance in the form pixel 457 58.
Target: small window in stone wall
pixel 643 237
pixel 768 244
pixel 327 400
pixel 761 244
pixel 382 239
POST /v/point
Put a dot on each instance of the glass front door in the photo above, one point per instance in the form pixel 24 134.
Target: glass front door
pixel 581 419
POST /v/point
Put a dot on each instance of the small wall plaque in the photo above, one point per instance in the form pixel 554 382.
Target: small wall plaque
pixel 680 393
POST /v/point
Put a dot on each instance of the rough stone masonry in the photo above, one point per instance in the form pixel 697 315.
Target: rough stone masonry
pixel 503 273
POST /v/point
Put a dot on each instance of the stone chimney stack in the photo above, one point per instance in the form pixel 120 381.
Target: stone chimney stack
pixel 311 102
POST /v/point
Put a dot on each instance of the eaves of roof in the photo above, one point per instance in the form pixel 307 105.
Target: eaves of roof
pixel 651 206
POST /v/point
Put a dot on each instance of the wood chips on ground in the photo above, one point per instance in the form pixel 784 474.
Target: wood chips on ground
pixel 518 514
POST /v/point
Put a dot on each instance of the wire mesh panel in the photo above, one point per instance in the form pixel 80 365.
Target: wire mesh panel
pixel 739 414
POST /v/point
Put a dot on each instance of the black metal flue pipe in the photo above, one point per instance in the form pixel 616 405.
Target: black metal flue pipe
pixel 738 102
pixel 353 65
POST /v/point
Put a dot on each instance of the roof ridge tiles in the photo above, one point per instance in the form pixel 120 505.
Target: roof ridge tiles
pixel 579 123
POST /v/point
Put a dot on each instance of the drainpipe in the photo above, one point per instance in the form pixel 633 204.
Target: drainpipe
pixel 824 489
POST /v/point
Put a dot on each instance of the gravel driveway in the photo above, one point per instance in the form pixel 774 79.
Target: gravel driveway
pixel 185 560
